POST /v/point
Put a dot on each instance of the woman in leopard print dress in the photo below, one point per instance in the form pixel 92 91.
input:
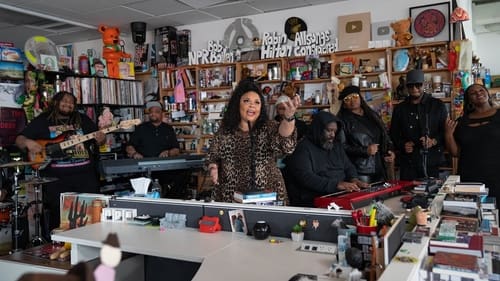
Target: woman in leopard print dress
pixel 243 153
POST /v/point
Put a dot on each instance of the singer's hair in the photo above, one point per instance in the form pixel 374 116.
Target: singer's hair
pixel 232 117
pixel 468 105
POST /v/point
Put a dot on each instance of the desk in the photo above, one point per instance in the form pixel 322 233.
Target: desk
pixel 185 244
pixel 223 255
pixel 249 260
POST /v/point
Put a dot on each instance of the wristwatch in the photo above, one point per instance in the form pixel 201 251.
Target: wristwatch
pixel 289 119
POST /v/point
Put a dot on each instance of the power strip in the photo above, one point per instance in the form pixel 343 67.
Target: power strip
pixel 318 248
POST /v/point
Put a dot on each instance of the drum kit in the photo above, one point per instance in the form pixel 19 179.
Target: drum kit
pixel 11 212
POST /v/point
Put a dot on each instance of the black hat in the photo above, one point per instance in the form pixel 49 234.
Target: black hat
pixel 415 76
pixel 349 90
pixel 112 240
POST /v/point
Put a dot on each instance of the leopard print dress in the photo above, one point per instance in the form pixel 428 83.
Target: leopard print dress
pixel 232 154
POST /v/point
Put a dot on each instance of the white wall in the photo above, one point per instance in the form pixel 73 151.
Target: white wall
pixel 323 17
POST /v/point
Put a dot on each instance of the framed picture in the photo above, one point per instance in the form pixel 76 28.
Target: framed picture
pixel 346 68
pixel 50 62
pixel 354 31
pixel 430 23
pixel 238 221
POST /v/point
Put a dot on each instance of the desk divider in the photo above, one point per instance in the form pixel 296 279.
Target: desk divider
pixel 281 219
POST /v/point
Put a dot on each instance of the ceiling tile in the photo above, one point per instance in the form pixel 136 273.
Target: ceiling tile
pixel 232 10
pixel 161 21
pixel 117 16
pixel 270 5
pixel 191 17
pixel 88 34
pixel 160 7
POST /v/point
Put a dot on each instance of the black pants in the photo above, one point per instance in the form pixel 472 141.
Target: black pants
pixel 83 181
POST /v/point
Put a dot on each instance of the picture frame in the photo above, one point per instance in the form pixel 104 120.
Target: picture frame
pixel 346 68
pixel 50 62
pixel 238 221
pixel 430 23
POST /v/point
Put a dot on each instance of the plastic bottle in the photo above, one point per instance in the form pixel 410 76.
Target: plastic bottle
pixel 487 78
pixel 57 83
pixel 156 189
pixel 83 64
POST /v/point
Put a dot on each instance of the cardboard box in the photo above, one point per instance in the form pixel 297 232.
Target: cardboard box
pixel 11 70
pixel 11 54
pixel 9 93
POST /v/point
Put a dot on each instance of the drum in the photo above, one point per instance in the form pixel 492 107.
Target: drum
pixel 5 210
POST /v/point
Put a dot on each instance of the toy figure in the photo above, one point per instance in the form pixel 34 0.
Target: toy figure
pixel 111 256
pixel 112 52
pixel 354 257
pixel 401 35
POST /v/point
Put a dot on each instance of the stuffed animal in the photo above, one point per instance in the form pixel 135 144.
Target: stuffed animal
pixel 111 51
pixel 402 35
pixel 333 90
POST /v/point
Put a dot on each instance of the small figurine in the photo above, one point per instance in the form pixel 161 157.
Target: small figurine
pixel 401 91
pixel 354 257
pixel 111 51
pixel 111 256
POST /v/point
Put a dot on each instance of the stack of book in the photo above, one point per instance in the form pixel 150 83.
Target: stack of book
pixel 254 197
pixel 457 266
pixel 460 205
pixel 464 243
pixel 470 187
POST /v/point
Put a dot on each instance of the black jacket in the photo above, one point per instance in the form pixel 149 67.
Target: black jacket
pixel 314 171
pixel 356 139
pixel 410 122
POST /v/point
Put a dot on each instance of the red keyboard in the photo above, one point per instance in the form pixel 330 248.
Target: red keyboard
pixel 358 199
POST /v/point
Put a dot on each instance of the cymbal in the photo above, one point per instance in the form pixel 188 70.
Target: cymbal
pixel 18 164
pixel 35 181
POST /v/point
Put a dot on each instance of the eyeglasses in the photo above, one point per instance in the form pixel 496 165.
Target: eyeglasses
pixel 350 97
pixel 416 85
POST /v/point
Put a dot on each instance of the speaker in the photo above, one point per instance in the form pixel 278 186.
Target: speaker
pixel 138 32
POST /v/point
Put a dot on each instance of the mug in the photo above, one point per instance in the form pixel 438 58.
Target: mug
pixel 355 81
pixel 381 63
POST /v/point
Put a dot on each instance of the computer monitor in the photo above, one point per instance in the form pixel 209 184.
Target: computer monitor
pixel 393 239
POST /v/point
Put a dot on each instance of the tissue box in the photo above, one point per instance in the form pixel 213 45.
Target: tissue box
pixel 173 221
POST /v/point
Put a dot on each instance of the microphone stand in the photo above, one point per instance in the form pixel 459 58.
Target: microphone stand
pixel 252 185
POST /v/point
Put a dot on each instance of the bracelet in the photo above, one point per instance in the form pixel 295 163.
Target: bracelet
pixel 289 119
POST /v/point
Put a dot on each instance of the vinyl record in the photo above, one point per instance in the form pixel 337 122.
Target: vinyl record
pixel 429 23
pixel 294 25
pixel 39 45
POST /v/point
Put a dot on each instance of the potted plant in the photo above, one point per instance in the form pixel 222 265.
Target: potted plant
pixel 297 233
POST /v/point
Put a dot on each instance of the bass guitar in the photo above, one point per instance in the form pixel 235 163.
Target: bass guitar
pixel 54 148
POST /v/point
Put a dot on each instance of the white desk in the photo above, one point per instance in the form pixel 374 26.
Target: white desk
pixel 250 260
pixel 186 244
pixel 223 255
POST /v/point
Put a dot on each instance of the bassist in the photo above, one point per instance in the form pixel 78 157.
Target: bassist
pixel 75 166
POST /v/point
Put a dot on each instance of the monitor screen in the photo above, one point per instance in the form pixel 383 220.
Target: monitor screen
pixel 393 239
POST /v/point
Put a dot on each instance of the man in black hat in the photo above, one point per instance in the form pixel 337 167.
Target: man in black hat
pixel 417 130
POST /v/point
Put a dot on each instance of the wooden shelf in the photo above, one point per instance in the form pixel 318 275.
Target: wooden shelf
pixel 320 80
pixel 182 123
pixel 314 106
pixel 215 100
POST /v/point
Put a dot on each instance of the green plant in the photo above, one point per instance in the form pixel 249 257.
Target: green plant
pixel 297 228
